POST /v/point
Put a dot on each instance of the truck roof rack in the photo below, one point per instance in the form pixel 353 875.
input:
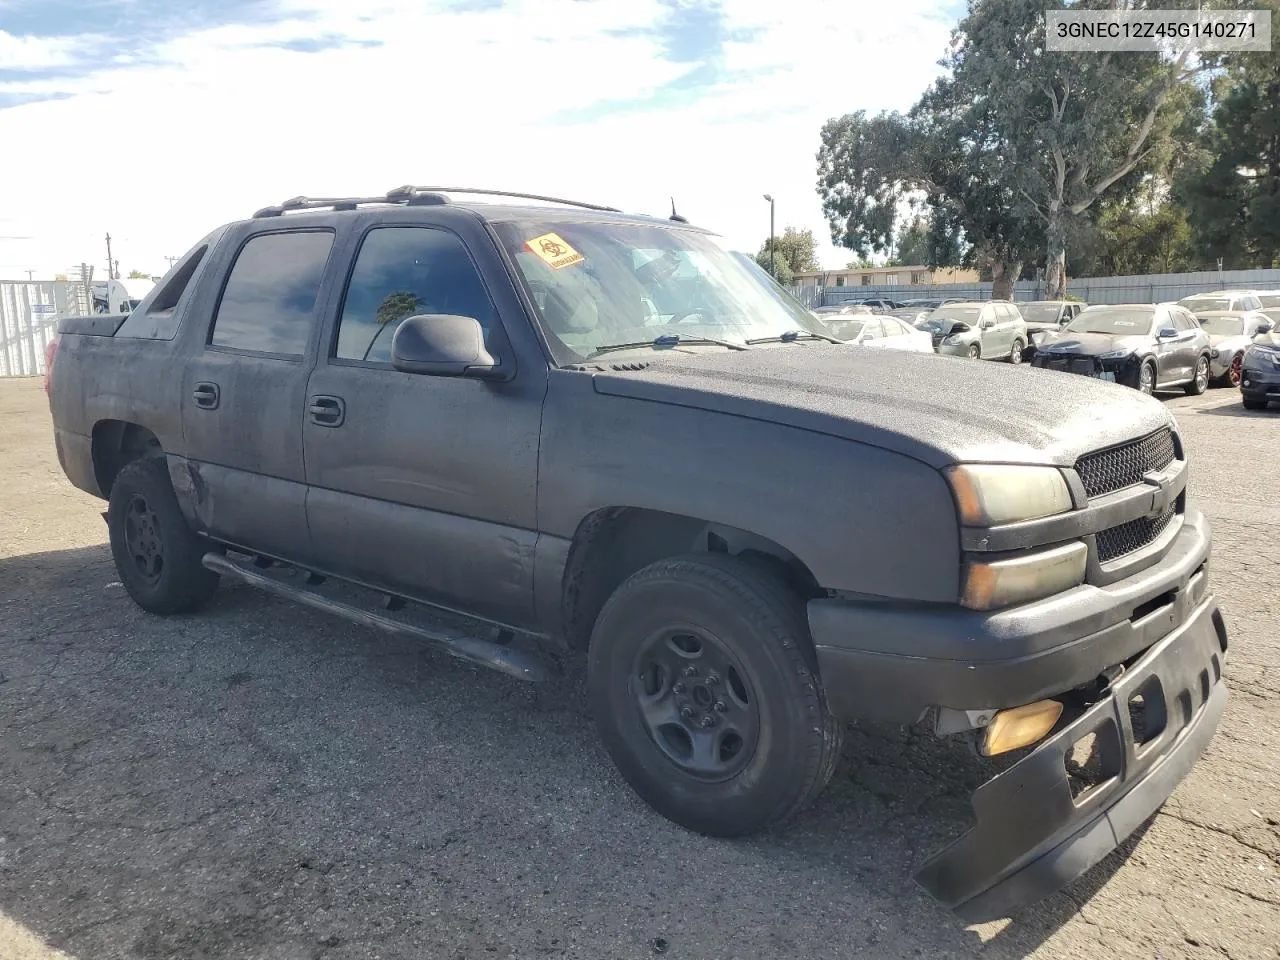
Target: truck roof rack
pixel 410 196
pixel 412 191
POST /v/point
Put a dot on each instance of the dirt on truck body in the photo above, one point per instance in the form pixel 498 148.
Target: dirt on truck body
pixel 586 432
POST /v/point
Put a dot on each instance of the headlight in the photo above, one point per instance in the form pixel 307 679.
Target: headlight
pixel 1115 355
pixel 990 584
pixel 951 338
pixel 989 494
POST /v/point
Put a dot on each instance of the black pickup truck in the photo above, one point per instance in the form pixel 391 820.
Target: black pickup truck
pixel 588 431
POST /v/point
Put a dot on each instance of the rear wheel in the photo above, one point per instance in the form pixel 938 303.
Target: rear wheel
pixel 704 685
pixel 1200 381
pixel 157 554
pixel 1015 355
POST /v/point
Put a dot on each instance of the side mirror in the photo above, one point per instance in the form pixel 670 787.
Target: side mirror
pixel 988 324
pixel 442 345
pixel 1167 333
pixel 1266 326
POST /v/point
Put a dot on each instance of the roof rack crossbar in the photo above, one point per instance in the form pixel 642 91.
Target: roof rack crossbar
pixel 317 203
pixel 409 190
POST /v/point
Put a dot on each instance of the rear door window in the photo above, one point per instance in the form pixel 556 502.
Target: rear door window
pixel 269 303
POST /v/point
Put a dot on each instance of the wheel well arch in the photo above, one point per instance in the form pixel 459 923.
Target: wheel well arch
pixel 612 543
pixel 116 443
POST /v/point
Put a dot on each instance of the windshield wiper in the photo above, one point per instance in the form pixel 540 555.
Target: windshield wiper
pixel 667 340
pixel 792 335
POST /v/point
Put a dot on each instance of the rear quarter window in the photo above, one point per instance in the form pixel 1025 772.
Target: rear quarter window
pixel 161 316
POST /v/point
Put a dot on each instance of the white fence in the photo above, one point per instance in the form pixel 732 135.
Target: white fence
pixel 1147 288
pixel 29 314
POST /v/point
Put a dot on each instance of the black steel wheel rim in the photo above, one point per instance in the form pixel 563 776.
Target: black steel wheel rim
pixel 1202 373
pixel 696 702
pixel 1147 379
pixel 142 538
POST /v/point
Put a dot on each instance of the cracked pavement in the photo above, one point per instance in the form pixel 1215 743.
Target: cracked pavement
pixel 262 782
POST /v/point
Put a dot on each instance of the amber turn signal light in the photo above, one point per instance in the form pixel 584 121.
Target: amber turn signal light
pixel 1020 727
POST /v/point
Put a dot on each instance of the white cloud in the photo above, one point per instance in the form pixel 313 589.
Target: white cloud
pixel 224 123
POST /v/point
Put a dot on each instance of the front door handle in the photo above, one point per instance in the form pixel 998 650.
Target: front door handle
pixel 327 411
pixel 206 395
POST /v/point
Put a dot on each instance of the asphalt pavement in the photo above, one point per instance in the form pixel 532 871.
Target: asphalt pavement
pixel 258 781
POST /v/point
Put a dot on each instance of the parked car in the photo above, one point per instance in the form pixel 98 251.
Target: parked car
pixel 1049 316
pixel 978 329
pixel 1229 334
pixel 1145 346
pixel 750 534
pixel 914 311
pixel 842 310
pixel 1233 301
pixel 1044 317
pixel 1260 372
pixel 886 332
pixel 1270 305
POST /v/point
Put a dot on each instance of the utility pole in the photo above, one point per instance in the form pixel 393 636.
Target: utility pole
pixel 111 264
pixel 172 261
pixel 30 275
pixel 773 252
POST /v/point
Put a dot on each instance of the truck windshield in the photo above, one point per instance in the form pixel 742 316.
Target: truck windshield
pixel 598 285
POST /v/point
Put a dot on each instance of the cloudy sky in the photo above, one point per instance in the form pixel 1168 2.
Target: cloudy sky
pixel 159 119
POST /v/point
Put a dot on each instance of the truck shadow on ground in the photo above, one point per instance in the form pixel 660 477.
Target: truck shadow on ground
pixel 257 780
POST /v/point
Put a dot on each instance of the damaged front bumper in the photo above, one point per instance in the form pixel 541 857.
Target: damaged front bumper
pixel 1039 827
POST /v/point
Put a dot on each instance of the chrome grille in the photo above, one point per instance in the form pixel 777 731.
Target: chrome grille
pixel 1134 535
pixel 1118 467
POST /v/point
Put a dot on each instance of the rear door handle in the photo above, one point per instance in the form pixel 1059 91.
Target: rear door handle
pixel 206 395
pixel 327 411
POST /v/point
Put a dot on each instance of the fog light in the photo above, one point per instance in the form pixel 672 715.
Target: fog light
pixel 1020 727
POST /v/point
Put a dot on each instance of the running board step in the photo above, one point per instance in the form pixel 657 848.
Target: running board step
pixel 514 663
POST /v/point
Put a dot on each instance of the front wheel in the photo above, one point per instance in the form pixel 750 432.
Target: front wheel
pixel 704 685
pixel 974 351
pixel 1200 382
pixel 1147 378
pixel 1254 403
pixel 1232 379
pixel 1015 355
pixel 157 554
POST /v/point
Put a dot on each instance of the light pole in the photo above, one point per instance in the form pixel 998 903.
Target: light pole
pixel 773 253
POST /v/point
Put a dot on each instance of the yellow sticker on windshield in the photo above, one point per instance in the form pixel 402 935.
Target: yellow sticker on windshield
pixel 554 251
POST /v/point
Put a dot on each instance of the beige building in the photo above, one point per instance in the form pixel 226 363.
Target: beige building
pixel 908 276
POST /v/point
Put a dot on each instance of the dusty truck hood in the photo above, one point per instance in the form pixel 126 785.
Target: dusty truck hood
pixel 936 409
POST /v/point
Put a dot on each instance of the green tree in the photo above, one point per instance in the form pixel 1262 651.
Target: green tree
pixel 869 167
pixel 913 245
pixel 1013 147
pixel 776 266
pixel 396 307
pixel 796 248
pixel 1233 195
pixel 138 275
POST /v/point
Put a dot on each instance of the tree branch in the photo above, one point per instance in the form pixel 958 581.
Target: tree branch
pixel 1039 209
pixel 1135 153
